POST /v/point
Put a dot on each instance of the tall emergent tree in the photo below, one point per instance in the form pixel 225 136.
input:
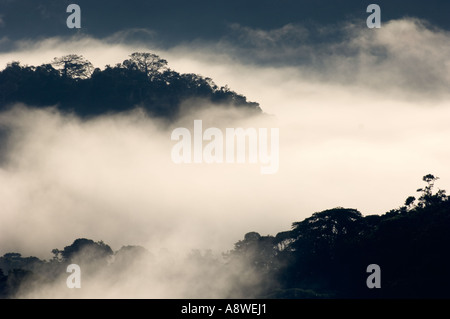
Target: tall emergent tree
pixel 73 66
pixel 148 63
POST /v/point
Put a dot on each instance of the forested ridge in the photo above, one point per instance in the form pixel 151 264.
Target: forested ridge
pixel 323 256
pixel 143 80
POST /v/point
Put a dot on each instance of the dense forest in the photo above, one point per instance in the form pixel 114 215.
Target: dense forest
pixel 143 80
pixel 323 256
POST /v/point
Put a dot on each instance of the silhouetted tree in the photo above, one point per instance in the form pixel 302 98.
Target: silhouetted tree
pixel 148 63
pixel 322 256
pixel 90 255
pixel 259 251
pixel 410 201
pixel 73 66
pixel 143 80
pixel 427 197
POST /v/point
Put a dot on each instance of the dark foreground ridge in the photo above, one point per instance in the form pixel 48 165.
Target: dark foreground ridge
pixel 323 256
pixel 143 80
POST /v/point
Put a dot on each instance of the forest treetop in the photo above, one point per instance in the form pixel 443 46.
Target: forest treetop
pixel 144 79
pixel 323 256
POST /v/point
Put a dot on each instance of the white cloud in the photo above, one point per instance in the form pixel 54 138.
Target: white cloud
pixel 356 130
pixel 405 55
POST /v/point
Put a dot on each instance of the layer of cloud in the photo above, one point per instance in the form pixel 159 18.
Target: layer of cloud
pixel 404 55
pixel 113 178
pixel 408 56
pixel 145 275
pixel 360 124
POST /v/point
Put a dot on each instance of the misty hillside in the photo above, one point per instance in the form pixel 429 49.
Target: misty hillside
pixel 144 80
pixel 323 256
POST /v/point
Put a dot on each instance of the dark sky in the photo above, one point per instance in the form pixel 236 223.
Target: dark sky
pixel 175 21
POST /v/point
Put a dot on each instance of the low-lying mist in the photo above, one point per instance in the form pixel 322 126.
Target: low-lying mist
pixel 355 131
pixel 112 178
pixel 134 272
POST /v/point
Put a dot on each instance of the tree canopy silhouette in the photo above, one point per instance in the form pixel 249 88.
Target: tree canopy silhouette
pixel 143 80
pixel 326 255
pixel 73 66
pixel 147 63
pixel 322 256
